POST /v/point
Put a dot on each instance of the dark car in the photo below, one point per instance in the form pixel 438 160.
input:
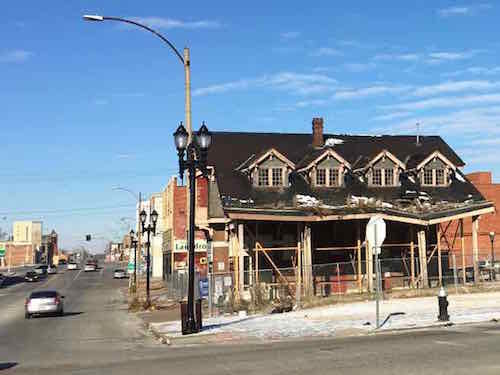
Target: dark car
pixel 62 261
pixel 32 276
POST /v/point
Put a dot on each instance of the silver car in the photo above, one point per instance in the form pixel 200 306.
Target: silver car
pixel 119 274
pixel 44 302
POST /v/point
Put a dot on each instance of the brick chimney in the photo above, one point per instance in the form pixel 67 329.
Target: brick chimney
pixel 317 128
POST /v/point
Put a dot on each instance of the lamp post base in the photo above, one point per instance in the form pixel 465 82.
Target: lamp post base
pixel 192 324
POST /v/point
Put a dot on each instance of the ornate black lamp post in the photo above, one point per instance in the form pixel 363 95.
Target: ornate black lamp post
pixel 492 239
pixel 150 228
pixel 196 158
pixel 133 242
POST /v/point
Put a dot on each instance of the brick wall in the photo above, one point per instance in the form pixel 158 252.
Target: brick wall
pixel 18 254
pixel 490 222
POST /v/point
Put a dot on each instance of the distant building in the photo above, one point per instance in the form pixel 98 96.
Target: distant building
pixel 49 249
pixel 28 231
pixel 156 203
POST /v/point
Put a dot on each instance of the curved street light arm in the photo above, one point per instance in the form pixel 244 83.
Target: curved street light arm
pixel 136 196
pixel 148 29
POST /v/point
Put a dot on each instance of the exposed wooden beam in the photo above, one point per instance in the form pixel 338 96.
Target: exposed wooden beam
pixel 481 211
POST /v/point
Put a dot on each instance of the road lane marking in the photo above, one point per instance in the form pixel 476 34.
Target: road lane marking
pixel 78 274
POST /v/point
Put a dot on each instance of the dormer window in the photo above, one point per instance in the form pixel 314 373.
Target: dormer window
pixel 435 169
pixel 269 169
pixel 384 170
pixel 327 170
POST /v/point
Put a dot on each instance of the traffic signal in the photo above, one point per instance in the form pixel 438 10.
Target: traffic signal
pixel 88 237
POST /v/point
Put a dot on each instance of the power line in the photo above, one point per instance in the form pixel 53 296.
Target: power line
pixel 65 210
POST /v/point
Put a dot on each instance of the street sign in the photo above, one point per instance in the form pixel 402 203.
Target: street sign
pixel 375 233
pixel 2 250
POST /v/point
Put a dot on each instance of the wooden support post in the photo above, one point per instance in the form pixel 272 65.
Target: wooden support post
pixel 422 255
pixel 440 268
pixel 412 256
pixel 462 246
pixel 369 266
pixel 233 243
pixel 475 250
pixel 256 254
pixel 358 252
pixel 307 253
pixel 241 257
pixel 298 288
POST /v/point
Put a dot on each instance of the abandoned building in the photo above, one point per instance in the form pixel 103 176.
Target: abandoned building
pixel 291 209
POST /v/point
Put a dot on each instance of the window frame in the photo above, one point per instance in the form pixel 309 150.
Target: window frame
pixel 275 169
pixel 262 176
pixel 336 171
pixel 373 176
pixel 323 174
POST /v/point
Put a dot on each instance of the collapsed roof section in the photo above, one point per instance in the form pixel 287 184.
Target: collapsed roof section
pixel 232 152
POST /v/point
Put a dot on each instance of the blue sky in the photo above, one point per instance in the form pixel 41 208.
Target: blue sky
pixel 90 106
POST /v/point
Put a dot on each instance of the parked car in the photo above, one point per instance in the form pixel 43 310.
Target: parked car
pixel 62 261
pixel 32 276
pixel 119 274
pixel 52 270
pixel 72 266
pixel 90 267
pixel 41 270
pixel 43 302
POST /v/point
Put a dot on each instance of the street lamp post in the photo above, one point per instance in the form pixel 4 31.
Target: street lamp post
pixel 150 228
pixel 492 239
pixel 133 242
pixel 139 233
pixel 192 156
pixel 185 59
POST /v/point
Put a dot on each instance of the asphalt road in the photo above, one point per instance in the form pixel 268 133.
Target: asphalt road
pixel 98 336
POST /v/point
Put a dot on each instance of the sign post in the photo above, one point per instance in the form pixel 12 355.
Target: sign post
pixel 375 234
pixel 2 254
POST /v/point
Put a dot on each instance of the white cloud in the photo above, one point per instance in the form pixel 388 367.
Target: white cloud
pixel 455 86
pixel 359 67
pixel 290 35
pixel 399 57
pixel 223 87
pixel 462 10
pixel 446 102
pixel 369 91
pixel 170 23
pixel 393 115
pixel 486 142
pixel 429 58
pixel 326 51
pixel 15 56
pixel 296 83
pixel 464 123
pixel 474 70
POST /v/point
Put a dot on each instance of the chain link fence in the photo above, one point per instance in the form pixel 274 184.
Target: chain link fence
pixel 267 286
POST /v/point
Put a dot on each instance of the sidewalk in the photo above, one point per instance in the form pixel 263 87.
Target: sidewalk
pixel 335 320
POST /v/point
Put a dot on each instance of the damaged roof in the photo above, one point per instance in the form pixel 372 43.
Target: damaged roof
pixel 231 150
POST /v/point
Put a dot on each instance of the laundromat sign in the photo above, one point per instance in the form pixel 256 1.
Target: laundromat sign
pixel 199 245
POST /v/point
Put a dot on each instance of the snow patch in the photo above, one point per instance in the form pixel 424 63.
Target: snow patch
pixel 459 177
pixel 330 142
pixel 306 200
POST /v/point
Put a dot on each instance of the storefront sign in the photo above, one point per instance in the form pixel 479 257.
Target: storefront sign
pixel 199 245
